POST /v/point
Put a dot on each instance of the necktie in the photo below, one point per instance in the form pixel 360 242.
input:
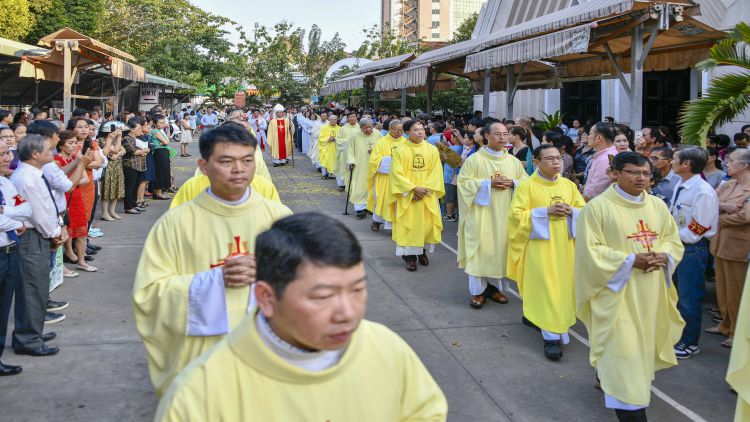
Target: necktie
pixel 12 235
pixel 676 196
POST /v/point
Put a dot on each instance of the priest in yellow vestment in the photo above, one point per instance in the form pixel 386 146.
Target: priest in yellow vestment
pixel 327 147
pixel 280 137
pixel 541 230
pixel 358 159
pixel 192 285
pixel 378 173
pixel 197 184
pixel 415 186
pixel 738 374
pixel 485 188
pixel 627 246
pixel 261 169
pixel 347 132
pixel 307 354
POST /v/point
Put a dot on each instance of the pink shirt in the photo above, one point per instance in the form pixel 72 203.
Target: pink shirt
pixel 598 181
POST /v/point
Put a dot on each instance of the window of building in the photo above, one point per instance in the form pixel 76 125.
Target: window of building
pixel 435 11
pixel 436 24
pixel 435 35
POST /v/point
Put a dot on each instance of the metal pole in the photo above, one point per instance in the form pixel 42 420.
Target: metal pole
pixel 636 78
pixel 67 78
pixel 486 93
pixel 510 91
pixel 403 102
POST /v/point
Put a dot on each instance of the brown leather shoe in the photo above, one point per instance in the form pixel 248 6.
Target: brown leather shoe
pixel 477 301
pixel 411 264
pixel 498 297
pixel 375 226
pixel 424 260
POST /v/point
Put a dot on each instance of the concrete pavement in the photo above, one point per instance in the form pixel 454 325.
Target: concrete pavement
pixel 490 366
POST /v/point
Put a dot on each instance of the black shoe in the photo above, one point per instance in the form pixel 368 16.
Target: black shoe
pixel 133 211
pixel 528 323
pixel 49 336
pixel 319 170
pixel 341 188
pixel 6 370
pixel 53 305
pixel 631 415
pixel 140 209
pixel 275 165
pixel 39 351
pixel 552 350
pixel 90 245
pixel 52 318
pixel 90 251
pixel 88 258
pixel 361 215
pixel 68 260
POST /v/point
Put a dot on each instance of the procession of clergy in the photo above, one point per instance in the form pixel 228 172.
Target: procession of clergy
pixel 256 305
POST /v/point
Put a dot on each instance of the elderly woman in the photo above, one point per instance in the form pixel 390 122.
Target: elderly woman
pixel 731 244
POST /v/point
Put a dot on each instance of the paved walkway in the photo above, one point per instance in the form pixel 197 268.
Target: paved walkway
pixel 490 366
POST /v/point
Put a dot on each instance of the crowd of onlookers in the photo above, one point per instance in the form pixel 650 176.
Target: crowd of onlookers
pixel 55 176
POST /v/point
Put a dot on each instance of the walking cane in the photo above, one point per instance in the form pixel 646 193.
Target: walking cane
pixel 348 192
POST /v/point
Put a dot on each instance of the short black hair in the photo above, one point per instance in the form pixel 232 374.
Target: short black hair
pixel 552 135
pixel 666 152
pixel 135 121
pixel 629 157
pixel 540 148
pixel 410 123
pixel 476 122
pixel 42 127
pixel 74 121
pixel 739 137
pixel 696 156
pixel 723 140
pixel 654 132
pixel 230 132
pixel 439 127
pixel 306 237
pixel 4 113
pixel 607 130
pixel 744 128
pixel 79 112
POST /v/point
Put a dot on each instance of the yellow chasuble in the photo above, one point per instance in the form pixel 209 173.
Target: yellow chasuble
pixel 360 146
pixel 416 222
pixel 738 374
pixel 377 182
pixel 378 378
pixel 185 241
pixel 327 150
pixel 261 169
pixel 632 331
pixel 280 149
pixel 197 184
pixel 541 261
pixel 345 135
pixel 483 230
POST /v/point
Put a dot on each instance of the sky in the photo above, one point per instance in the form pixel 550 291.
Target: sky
pixel 347 17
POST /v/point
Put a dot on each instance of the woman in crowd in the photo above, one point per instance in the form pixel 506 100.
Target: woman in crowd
pixel 522 148
pixel 622 142
pixel 565 145
pixel 82 131
pixel 133 165
pixel 159 142
pixel 713 172
pixel 8 135
pixel 78 226
pixel 150 173
pixel 583 156
pixel 186 136
pixel 113 180
pixel 731 245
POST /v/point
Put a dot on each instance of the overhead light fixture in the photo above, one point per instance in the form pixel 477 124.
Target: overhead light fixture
pixel 678 13
pixel 655 11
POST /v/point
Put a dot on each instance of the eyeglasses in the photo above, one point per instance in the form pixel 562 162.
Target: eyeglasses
pixel 646 174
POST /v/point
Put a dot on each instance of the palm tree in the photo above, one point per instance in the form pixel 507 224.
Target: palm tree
pixel 728 96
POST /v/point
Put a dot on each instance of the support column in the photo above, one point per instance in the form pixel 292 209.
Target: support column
pixel 431 79
pixel 487 78
pixel 403 101
pixel 510 91
pixel 67 78
pixel 636 77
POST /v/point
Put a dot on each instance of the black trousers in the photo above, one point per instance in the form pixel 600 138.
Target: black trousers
pixel 133 179
pixel 10 278
pixel 32 294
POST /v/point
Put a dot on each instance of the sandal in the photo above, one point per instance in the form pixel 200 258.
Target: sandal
pixel 727 343
pixel 71 274
pixel 477 301
pixel 714 330
pixel 86 267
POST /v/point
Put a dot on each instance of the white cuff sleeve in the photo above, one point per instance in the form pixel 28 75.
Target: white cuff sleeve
pixel 572 221
pixel 482 197
pixel 623 274
pixel 207 305
pixel 515 183
pixel 669 270
pixel 385 166
pixel 539 224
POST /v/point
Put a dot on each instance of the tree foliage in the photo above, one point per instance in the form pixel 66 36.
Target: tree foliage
pixel 728 96
pixel 15 21
pixel 381 44
pixel 84 16
pixel 320 56
pixel 464 31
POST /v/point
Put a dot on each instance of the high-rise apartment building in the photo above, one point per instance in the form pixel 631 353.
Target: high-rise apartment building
pixel 427 20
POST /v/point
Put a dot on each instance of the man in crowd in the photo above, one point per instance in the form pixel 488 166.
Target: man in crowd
pixel 44 232
pixel 15 210
pixel 695 208
pixel 378 177
pixel 415 185
pixel 626 249
pixel 187 303
pixel 358 158
pixel 280 137
pixel 661 158
pixel 259 125
pixel 306 350
pixel 485 190
pixel 601 138
pixel 209 120
pixel 544 212
pixel 346 133
pixel 650 138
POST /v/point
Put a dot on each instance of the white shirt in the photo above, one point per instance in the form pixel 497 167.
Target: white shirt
pixel 695 209
pixel 210 120
pixel 30 185
pixel 58 182
pixel 13 215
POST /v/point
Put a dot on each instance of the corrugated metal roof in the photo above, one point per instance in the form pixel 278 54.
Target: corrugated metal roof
pixel 390 62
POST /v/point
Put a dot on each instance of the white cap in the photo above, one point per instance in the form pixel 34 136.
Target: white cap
pixel 278 107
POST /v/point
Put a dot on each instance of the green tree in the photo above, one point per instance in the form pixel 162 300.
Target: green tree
pixel 464 31
pixel 15 21
pixel 728 96
pixel 381 44
pixel 319 57
pixel 84 16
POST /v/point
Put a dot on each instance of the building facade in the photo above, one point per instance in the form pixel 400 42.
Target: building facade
pixel 426 20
